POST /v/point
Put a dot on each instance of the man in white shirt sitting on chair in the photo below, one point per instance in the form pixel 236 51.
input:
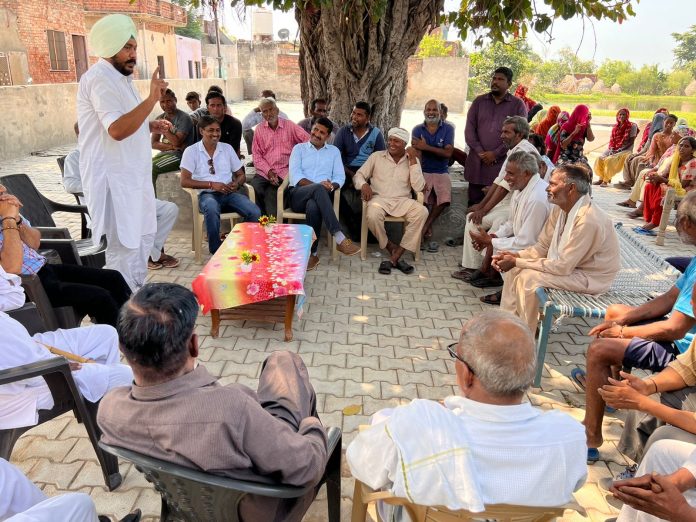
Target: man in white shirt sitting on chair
pixel 488 446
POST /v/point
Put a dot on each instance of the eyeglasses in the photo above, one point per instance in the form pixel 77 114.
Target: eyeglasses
pixel 212 168
pixel 453 353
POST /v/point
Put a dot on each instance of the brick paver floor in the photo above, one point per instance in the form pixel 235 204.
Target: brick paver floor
pixel 369 340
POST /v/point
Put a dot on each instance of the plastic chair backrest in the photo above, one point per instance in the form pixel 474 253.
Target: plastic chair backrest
pixel 196 496
pixel 34 206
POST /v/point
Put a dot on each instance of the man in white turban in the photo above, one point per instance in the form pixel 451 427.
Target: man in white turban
pixel 392 175
pixel 114 144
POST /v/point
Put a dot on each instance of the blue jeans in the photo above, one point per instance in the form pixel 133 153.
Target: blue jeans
pixel 212 204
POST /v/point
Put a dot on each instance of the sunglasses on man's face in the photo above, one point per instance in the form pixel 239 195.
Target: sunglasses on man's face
pixel 452 349
pixel 212 168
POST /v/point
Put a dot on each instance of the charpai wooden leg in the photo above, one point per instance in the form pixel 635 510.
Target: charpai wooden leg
pixel 215 327
pixel 289 312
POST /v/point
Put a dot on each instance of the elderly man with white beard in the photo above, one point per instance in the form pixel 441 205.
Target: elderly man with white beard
pixel 529 209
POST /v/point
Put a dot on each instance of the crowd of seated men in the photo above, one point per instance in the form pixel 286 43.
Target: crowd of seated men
pixel 531 223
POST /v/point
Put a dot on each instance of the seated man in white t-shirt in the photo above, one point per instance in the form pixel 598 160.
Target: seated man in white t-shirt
pixel 214 168
pixel 487 446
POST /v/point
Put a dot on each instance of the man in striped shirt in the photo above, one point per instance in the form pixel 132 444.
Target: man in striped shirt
pixel 271 148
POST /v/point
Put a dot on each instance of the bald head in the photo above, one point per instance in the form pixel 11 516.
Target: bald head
pixel 499 348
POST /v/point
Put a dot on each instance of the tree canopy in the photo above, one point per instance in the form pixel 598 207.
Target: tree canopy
pixel 357 49
pixel 685 51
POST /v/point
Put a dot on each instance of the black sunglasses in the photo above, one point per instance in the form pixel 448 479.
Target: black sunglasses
pixel 212 168
pixel 453 353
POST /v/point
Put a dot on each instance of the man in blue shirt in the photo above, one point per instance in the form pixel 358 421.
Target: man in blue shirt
pixel 315 172
pixel 356 142
pixel 434 140
pixel 641 336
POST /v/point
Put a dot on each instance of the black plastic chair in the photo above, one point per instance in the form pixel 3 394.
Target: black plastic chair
pixel 52 317
pixel 66 396
pixel 196 496
pixel 38 209
pixel 86 232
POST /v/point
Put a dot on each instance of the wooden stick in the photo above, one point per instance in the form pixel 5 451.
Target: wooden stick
pixel 69 356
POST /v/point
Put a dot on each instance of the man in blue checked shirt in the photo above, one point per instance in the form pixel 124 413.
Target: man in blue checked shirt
pixel 316 171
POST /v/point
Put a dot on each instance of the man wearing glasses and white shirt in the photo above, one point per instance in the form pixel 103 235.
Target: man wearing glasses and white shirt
pixel 486 446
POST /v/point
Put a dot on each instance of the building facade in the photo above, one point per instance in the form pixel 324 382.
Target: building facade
pixel 45 41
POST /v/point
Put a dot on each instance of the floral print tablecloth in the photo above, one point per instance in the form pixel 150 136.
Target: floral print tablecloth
pixel 282 252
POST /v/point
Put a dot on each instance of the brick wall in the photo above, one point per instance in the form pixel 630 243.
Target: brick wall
pixel 34 18
pixel 288 64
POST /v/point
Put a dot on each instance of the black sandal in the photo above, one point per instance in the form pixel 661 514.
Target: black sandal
pixel 486 282
pixel 385 267
pixel 404 267
pixel 492 299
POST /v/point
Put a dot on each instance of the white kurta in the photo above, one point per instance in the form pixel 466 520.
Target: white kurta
pixel 20 401
pixel 529 210
pixel 472 258
pixel 22 501
pixel 512 449
pixel 116 175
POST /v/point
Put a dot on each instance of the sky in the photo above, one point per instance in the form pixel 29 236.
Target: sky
pixel 643 39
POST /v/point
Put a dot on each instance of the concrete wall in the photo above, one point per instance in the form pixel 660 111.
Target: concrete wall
pixel 37 117
pixel 446 79
pixel 187 50
pixel 229 61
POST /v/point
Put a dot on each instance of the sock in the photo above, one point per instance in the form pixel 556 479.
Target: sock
pixel 339 237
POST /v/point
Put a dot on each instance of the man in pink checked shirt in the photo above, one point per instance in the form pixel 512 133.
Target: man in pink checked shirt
pixel 271 148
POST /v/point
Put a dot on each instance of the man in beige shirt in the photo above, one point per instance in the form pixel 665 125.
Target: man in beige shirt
pixel 176 411
pixel 577 250
pixel 392 175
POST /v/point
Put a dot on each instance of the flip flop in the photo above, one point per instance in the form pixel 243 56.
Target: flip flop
pixel 475 275
pixel 433 247
pixel 486 282
pixel 385 267
pixel 592 455
pixel 624 204
pixel 492 299
pixel 404 267
pixel 463 274
pixel 578 376
pixel 644 232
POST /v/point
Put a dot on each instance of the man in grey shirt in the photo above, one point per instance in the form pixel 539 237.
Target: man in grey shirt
pixel 173 141
pixel 176 411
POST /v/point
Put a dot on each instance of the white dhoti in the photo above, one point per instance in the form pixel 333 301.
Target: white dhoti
pixel 415 214
pixel 472 258
pixel 664 457
pixel 22 501
pixel 167 212
pixel 519 291
pixel 20 401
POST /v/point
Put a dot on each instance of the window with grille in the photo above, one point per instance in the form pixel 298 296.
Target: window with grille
pixel 57 51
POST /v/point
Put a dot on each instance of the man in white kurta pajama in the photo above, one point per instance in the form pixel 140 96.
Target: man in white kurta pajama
pixel 22 501
pixel 114 144
pixel 577 250
pixel 494 210
pixel 529 210
pixel 20 401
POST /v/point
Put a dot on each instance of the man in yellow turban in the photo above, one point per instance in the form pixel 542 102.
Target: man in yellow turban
pixel 114 144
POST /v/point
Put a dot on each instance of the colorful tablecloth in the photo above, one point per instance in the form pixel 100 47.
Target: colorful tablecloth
pixel 283 251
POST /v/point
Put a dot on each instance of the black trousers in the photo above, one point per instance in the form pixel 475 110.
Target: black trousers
pixel 317 203
pixel 97 292
pixel 266 195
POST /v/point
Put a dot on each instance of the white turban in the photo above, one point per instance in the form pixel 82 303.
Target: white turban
pixel 110 34
pixel 11 291
pixel 400 133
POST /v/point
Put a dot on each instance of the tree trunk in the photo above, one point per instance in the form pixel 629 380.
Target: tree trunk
pixel 346 56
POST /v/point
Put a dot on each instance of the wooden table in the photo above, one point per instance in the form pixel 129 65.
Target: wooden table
pixel 265 290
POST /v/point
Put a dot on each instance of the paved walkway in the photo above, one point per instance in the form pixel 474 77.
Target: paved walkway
pixel 369 340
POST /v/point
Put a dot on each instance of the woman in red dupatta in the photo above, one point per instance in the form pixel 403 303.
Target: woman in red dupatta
pixel 549 121
pixel 623 134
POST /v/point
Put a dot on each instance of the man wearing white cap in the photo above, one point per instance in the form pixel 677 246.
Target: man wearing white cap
pixel 392 174
pixel 114 143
